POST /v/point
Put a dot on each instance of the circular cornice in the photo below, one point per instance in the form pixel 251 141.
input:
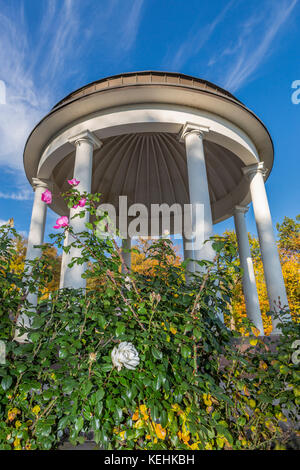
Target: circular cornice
pixel 142 78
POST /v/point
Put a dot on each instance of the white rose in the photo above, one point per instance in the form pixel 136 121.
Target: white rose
pixel 125 355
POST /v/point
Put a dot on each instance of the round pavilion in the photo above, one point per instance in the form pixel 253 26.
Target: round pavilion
pixel 159 138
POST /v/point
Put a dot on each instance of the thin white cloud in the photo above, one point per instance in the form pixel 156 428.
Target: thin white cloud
pixel 23 195
pixel 62 44
pixel 37 73
pixel 254 44
pixel 196 39
pixel 130 29
pixel 25 103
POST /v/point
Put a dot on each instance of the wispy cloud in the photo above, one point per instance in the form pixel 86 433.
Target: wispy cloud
pixel 196 40
pixel 39 66
pixel 22 195
pixel 130 28
pixel 254 43
pixel 28 97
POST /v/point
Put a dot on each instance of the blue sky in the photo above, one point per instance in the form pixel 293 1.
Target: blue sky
pixel 49 48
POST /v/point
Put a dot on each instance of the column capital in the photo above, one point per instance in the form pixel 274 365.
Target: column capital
pixel 191 128
pixel 251 170
pixel 41 183
pixel 241 209
pixel 86 136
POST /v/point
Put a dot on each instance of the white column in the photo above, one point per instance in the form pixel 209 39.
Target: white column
pixel 64 261
pixel 249 283
pixel 126 245
pixel 84 144
pixel 202 225
pixel 269 252
pixel 35 237
pixel 188 254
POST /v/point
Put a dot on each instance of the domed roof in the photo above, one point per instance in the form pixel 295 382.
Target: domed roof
pixel 145 78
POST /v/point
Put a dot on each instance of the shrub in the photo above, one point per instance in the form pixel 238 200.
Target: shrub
pixel 191 387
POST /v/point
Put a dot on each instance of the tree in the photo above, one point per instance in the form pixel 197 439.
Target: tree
pixel 49 254
pixel 288 246
pixel 142 260
pixel 289 235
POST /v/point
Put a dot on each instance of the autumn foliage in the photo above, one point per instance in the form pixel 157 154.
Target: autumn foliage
pixel 143 263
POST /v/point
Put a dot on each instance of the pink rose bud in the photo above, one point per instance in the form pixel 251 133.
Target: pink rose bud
pixel 47 196
pixel 73 182
pixel 82 202
pixel 62 222
pixel 75 206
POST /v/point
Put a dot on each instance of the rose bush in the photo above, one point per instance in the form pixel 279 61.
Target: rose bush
pixel 188 385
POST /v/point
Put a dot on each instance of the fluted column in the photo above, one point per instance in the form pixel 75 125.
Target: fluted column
pixel 84 144
pixel 64 261
pixel 269 252
pixel 202 225
pixel 126 246
pixel 249 283
pixel 35 237
pixel 188 253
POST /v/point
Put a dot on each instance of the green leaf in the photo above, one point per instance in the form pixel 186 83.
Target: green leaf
pixel 34 337
pixel 118 414
pixel 37 322
pixel 185 351
pixel 79 423
pixel 154 411
pixel 106 367
pixel 21 368
pixel 99 394
pixel 47 394
pixel 99 408
pixel 197 333
pixel 110 292
pixel 156 353
pixel 101 321
pixel 6 382
pixel 163 418
pixel 63 422
pixel 95 422
pixel 264 398
pixel 241 421
pixel 120 329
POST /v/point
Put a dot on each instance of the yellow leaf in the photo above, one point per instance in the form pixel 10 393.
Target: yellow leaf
pixel 143 410
pixel 36 409
pixel 138 424
pixel 159 431
pixel 194 446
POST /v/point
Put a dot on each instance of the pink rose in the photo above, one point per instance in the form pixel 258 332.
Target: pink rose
pixel 82 202
pixel 47 196
pixel 73 182
pixel 62 222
